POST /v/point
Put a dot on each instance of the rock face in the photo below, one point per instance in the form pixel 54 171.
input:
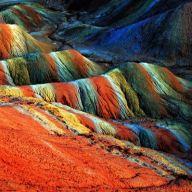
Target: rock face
pixel 69 123
pixel 154 31
pixel 117 94
pixel 17 42
pixel 61 66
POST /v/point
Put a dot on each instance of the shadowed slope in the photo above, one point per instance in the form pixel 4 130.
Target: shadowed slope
pixel 123 12
pixel 22 15
pixel 34 18
pixel 164 38
pixel 119 31
pixel 30 15
pixel 4 3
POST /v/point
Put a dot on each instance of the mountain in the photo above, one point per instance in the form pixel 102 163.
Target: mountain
pixel 95 95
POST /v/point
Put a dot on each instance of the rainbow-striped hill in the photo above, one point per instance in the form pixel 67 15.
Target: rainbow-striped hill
pixel 91 98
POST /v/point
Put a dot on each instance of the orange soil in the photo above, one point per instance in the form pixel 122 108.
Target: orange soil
pixel 27 91
pixel 107 98
pixel 31 159
pixel 78 61
pixel 7 38
pixel 67 94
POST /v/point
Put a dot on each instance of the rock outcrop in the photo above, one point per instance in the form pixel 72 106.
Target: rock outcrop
pixel 112 116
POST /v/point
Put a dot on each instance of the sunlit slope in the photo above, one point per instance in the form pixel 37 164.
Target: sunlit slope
pixel 14 42
pixel 38 68
pixel 132 90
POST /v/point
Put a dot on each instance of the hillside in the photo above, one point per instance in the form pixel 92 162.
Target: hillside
pixel 95 95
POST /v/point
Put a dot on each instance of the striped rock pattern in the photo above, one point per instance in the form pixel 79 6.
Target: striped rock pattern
pixel 32 136
pixel 114 95
pixel 21 15
pixel 70 124
pixel 29 16
pixel 15 42
pixel 61 66
pixel 119 93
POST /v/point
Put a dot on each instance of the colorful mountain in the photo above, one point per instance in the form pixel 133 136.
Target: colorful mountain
pixel 112 115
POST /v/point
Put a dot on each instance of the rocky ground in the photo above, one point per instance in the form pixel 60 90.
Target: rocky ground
pixel 95 95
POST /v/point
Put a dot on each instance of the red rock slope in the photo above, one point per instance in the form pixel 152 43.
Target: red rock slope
pixel 38 152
